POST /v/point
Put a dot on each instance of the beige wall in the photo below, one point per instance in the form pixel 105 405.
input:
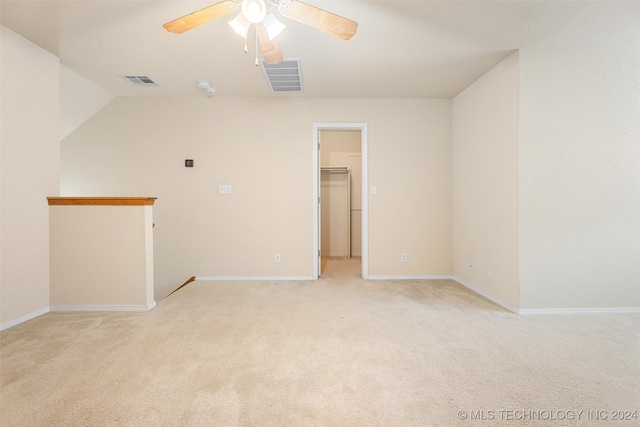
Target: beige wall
pixel 410 165
pixel 28 174
pixel 263 147
pixel 79 99
pixel 100 257
pixel 580 164
pixel 485 183
pixel 335 215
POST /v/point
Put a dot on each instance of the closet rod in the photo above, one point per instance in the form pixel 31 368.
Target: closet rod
pixel 335 169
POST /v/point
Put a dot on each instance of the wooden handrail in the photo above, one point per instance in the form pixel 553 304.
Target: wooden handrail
pixel 102 201
pixel 191 279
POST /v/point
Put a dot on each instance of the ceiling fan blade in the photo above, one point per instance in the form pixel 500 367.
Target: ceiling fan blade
pixel 320 19
pixel 270 48
pixel 199 17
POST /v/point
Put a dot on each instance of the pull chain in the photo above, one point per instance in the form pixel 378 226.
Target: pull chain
pixel 246 49
pixel 257 48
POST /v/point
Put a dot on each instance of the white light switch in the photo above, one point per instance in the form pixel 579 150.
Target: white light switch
pixel 374 190
pixel 224 188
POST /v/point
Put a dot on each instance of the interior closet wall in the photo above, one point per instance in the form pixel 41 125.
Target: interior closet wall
pixel 335 192
pixel 343 148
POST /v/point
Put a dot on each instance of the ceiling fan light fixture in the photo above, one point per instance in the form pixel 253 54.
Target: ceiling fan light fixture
pixel 240 25
pixel 273 26
pixel 254 10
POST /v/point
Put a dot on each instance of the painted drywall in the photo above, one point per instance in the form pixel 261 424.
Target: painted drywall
pixel 80 99
pixel 485 183
pixel 580 178
pixel 411 210
pixel 263 148
pixel 99 256
pixel 335 214
pixel 29 173
pixel 580 164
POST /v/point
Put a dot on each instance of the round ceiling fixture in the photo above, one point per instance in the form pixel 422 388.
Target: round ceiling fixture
pixel 254 10
pixel 206 86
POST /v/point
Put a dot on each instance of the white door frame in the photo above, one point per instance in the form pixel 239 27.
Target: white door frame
pixel 362 127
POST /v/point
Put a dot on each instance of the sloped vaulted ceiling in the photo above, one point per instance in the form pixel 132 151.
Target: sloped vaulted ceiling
pixel 421 49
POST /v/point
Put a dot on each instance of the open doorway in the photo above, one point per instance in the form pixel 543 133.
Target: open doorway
pixel 340 183
pixel 340 196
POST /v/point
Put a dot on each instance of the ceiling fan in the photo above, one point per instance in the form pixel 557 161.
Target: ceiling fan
pixel 267 25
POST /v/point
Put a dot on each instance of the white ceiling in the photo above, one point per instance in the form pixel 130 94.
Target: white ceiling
pixel 403 49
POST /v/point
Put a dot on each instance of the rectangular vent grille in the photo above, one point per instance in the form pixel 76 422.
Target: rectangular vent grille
pixel 284 76
pixel 140 80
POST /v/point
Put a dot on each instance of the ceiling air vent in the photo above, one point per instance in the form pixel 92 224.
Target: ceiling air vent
pixel 284 76
pixel 140 80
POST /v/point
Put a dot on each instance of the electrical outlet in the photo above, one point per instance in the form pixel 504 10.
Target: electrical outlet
pixel 403 257
pixel 277 258
pixel 487 271
pixel 471 266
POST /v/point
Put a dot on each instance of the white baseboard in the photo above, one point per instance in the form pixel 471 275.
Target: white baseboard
pixel 592 310
pixel 486 295
pixel 24 318
pixel 251 278
pixel 416 277
pixel 58 308
pixel 535 311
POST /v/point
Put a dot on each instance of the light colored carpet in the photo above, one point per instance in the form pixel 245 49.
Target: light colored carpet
pixel 339 351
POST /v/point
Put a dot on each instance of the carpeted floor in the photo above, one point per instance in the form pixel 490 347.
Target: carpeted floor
pixel 339 351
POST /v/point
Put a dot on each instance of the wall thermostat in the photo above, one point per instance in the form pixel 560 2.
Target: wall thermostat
pixel 188 163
